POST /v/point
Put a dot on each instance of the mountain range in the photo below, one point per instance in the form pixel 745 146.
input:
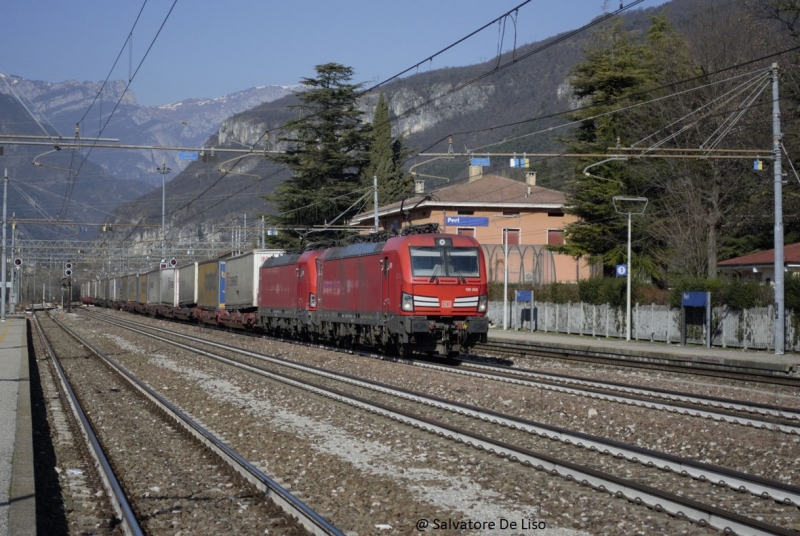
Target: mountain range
pixel 462 108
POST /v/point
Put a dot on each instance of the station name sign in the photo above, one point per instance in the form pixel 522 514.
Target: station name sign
pixel 467 221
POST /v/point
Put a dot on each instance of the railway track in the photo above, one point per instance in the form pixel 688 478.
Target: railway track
pixel 590 460
pixel 746 413
pixel 90 487
pixel 759 415
pixel 174 448
pixel 492 350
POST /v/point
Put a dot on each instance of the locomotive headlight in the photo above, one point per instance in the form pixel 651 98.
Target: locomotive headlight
pixel 312 300
pixel 407 302
pixel 482 301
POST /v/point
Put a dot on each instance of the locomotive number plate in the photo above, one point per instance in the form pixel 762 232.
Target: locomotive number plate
pixel 447 304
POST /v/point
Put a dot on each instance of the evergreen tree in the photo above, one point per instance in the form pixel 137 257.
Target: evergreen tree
pixel 326 151
pixel 613 76
pixel 385 159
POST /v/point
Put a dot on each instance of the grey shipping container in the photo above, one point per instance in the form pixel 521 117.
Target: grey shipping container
pixel 168 295
pixel 241 278
pixel 117 288
pixel 187 285
pixel 211 284
pixel 153 286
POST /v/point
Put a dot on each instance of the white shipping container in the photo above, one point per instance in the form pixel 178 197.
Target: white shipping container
pixel 241 274
pixel 187 284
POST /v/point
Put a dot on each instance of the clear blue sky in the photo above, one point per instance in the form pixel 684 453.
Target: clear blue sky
pixel 209 48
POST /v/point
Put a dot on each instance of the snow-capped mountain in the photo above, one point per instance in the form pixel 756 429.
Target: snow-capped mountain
pixel 58 107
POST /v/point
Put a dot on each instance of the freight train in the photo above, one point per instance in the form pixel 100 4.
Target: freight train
pixel 415 292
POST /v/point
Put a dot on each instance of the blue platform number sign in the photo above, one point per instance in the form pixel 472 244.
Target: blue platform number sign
pixel 524 295
pixel 483 162
pixel 693 299
pixel 187 155
pixel 622 270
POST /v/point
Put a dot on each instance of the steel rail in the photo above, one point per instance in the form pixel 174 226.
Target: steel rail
pixel 311 520
pixel 721 476
pixel 701 368
pixel 676 396
pixel 122 508
pixel 679 406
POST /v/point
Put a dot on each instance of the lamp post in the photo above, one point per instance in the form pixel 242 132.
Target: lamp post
pixel 163 170
pixel 620 204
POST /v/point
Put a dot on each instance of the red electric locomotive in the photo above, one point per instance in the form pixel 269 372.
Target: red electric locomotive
pixel 287 294
pixel 420 292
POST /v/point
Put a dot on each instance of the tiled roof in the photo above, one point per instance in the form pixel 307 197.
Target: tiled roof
pixel 491 190
pixel 791 255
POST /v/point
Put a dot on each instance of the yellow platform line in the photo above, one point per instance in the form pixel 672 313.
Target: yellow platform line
pixel 8 325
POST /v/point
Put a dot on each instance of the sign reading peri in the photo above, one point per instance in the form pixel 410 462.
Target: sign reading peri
pixel 466 221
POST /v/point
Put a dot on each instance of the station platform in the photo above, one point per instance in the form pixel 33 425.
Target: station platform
pixel 744 361
pixel 17 489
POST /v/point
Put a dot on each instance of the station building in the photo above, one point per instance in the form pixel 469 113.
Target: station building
pixel 496 211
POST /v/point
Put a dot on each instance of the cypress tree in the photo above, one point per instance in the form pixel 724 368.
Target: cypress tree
pixel 385 159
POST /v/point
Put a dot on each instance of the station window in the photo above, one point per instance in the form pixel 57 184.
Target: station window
pixel 555 214
pixel 511 237
pixel 465 212
pixel 466 231
pixel 555 237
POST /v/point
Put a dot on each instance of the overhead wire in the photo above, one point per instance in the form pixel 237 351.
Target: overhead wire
pixel 613 101
pixel 19 98
pixel 727 96
pixel 108 76
pixel 68 197
pixel 735 116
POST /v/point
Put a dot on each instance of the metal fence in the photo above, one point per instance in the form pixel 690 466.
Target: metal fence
pixel 532 265
pixel 731 328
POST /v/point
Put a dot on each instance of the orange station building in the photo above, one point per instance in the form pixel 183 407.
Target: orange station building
pixel 497 211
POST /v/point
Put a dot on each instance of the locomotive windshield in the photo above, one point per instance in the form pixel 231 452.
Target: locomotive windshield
pixel 444 262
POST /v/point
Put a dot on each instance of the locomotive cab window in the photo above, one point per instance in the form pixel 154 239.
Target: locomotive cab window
pixel 463 262
pixel 426 261
pixel 444 262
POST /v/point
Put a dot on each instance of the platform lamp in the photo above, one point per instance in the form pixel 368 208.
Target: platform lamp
pixel 629 205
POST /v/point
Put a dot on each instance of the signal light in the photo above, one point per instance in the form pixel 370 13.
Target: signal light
pixel 68 272
pixel 67 265
pixel 17 262
pixel 173 262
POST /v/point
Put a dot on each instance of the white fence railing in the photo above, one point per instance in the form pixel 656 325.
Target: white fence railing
pixel 746 329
